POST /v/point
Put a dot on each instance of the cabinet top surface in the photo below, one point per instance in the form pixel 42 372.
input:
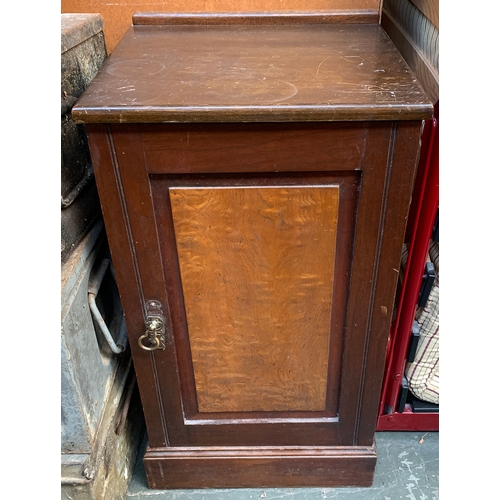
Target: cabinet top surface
pixel 214 73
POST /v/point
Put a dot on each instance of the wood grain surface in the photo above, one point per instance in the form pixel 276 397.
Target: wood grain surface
pixel 118 15
pixel 430 8
pixel 425 71
pixel 253 73
pixel 262 18
pixel 270 245
pixel 253 147
pixel 258 293
pixel 251 467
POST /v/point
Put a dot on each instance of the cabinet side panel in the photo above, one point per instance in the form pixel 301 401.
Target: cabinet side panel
pixel 258 293
pixel 114 209
pixel 402 167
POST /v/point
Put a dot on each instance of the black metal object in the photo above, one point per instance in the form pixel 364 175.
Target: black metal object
pixel 403 395
pixel 72 195
pixel 435 230
pixel 414 338
pixel 420 406
pixel 427 282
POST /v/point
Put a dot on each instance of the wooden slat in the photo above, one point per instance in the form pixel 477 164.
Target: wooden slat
pixel 262 18
pixel 253 147
pixel 262 467
pixel 258 293
pixel 364 263
pixel 427 75
pixel 430 8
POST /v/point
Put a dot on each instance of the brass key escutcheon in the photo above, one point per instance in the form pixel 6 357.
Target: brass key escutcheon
pixel 155 330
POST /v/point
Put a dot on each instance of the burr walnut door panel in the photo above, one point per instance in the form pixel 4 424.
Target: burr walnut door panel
pixel 262 243
pixel 256 266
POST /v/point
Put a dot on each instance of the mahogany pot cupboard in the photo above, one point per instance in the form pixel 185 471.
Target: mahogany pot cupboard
pixel 255 173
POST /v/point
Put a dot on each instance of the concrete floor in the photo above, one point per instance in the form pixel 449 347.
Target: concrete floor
pixel 407 468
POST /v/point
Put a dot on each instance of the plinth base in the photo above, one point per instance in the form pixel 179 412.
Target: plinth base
pixel 250 467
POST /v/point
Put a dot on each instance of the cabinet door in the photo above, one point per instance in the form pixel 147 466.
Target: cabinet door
pixel 273 250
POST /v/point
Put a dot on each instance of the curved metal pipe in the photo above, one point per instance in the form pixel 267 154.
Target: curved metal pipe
pixel 94 286
pixel 75 480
